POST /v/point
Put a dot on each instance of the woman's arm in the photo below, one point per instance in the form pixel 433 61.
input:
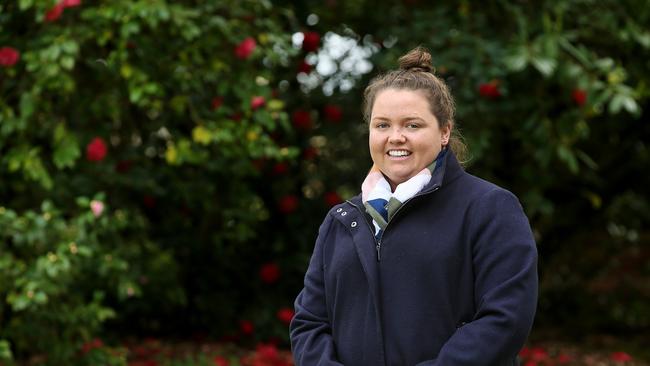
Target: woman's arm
pixel 505 290
pixel 310 329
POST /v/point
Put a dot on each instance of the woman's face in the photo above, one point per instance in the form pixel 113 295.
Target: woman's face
pixel 404 134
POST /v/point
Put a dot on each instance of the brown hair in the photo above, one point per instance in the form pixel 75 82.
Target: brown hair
pixel 416 73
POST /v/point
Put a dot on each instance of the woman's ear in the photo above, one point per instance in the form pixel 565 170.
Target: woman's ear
pixel 445 133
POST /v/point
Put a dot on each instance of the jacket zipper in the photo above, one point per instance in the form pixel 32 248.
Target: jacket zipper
pixel 378 241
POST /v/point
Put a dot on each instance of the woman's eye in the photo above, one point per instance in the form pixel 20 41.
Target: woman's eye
pixel 412 125
pixel 381 125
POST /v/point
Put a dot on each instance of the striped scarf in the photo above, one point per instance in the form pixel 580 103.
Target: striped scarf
pixel 381 204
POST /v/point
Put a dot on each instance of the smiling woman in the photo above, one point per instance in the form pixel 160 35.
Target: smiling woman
pixel 444 272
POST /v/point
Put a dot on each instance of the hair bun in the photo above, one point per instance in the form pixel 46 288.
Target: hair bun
pixel 418 59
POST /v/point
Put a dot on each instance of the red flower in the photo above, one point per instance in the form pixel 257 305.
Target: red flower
pixel 216 103
pixel 304 67
pixel 301 119
pixel 267 352
pixel 245 48
pixel 309 153
pixel 270 273
pixel 91 345
pixel 54 13
pixel 620 357
pixel 9 56
pixel 236 116
pixel 333 113
pixel 220 361
pixel 149 201
pixel 288 204
pixel 246 327
pixel 285 315
pixel 123 166
pixel 564 358
pixel 280 169
pixel 311 41
pixel 579 96
pixel 96 149
pixel 489 90
pixel 332 198
pixel 257 102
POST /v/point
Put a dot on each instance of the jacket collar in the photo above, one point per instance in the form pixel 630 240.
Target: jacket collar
pixel 445 174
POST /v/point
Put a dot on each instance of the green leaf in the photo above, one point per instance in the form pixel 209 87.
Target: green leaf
pixel 546 66
pixel 566 155
pixel 5 350
pixel 517 59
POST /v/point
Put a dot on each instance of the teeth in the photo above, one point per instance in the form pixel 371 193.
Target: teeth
pixel 398 153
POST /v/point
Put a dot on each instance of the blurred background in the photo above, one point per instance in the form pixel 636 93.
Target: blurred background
pixel 164 166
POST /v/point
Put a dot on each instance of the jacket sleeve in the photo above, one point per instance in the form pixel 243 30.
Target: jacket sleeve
pixel 310 329
pixel 505 284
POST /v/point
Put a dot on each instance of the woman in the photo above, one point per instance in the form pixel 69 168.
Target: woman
pixel 429 265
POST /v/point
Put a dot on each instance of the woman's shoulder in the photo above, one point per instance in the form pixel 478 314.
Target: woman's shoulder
pixel 477 188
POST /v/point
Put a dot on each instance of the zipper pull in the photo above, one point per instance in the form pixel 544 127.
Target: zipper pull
pixel 378 251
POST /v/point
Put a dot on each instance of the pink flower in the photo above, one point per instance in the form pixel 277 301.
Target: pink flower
pixel 489 90
pixel 70 3
pixel 257 102
pixel 333 113
pixel 97 207
pixel 55 12
pixel 311 41
pixel 620 357
pixel 245 48
pixel 301 119
pixel 285 315
pixel 246 327
pixel 9 56
pixel 579 97
pixel 332 198
pixel 288 204
pixel 96 150
pixel 270 273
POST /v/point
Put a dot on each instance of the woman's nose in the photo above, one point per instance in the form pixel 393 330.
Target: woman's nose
pixel 396 136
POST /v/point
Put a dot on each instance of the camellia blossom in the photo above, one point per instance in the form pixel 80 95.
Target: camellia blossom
pixel 71 3
pixel 55 12
pixel 97 207
pixel 96 149
pixel 285 315
pixel 333 113
pixel 332 198
pixel 301 119
pixel 620 357
pixel 246 327
pixel 9 56
pixel 257 102
pixel 280 168
pixel 304 67
pixel 220 361
pixel 579 96
pixel 311 41
pixel 288 204
pixel 244 49
pixel 216 103
pixel 270 272
pixel 489 90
